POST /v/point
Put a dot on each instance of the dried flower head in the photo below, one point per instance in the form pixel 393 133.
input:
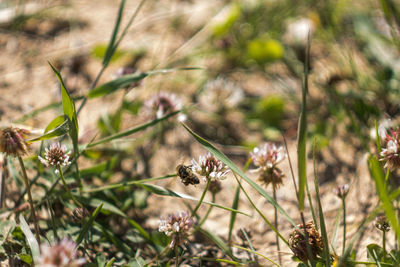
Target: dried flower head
pixel 162 104
pixel 342 190
pixel 215 186
pixel 62 254
pixel 178 226
pixel 298 245
pixel 266 158
pixel 56 156
pixel 79 214
pixel 210 167
pixel 12 141
pixel 390 154
pixel 219 94
pixel 382 223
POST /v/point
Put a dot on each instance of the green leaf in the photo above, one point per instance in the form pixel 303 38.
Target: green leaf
pixel 302 135
pixel 375 253
pixel 33 243
pixel 221 156
pixel 158 190
pixel 88 224
pixel 55 128
pixel 126 80
pixel 235 206
pixel 69 110
pixel 110 48
pixel 377 174
pixel 26 258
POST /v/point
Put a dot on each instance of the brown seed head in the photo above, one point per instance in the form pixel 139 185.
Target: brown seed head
pixel 298 245
pixel 79 214
pixel 12 141
pixel 381 223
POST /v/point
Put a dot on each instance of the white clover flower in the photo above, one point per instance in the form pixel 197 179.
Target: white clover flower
pixel 162 104
pixel 56 156
pixel 266 157
pixel 220 93
pixel 390 154
pixel 210 167
pixel 177 226
pixel 62 254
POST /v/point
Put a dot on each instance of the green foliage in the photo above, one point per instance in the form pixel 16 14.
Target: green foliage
pixel 265 50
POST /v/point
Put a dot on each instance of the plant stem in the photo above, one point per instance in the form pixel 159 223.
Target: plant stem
pixel 276 226
pixel 208 212
pixel 384 242
pixel 202 197
pixel 67 188
pixel 28 190
pixel 344 224
pixel 177 256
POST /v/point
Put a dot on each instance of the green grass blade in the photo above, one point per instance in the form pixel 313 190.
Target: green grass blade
pixel 132 130
pixel 88 224
pixel 235 206
pixel 302 134
pixel 55 128
pixel 321 213
pixel 219 242
pixel 259 254
pixel 378 175
pixel 122 82
pixel 33 243
pixel 113 209
pixel 110 48
pixel 378 141
pixel 69 110
pixel 221 156
pixel 158 190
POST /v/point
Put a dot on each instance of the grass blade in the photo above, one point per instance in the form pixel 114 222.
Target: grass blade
pixel 122 82
pixel 302 134
pixel 235 206
pixel 57 127
pixel 132 130
pixel 158 190
pixel 33 243
pixel 259 254
pixel 321 213
pixel 110 48
pixel 221 156
pixel 218 241
pixel 88 224
pixel 69 110
pixel 378 175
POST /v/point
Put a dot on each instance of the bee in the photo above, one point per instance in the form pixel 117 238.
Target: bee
pixel 186 174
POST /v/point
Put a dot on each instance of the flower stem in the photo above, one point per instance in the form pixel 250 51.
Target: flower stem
pixel 28 190
pixel 208 212
pixel 67 188
pixel 384 242
pixel 344 224
pixel 201 198
pixel 176 256
pixel 276 226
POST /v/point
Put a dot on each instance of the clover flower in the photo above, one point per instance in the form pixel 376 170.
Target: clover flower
pixel 266 157
pixel 56 156
pixel 12 141
pixel 298 244
pixel 221 93
pixel 381 223
pixel 178 226
pixel 391 153
pixel 210 167
pixel 62 254
pixel 162 104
